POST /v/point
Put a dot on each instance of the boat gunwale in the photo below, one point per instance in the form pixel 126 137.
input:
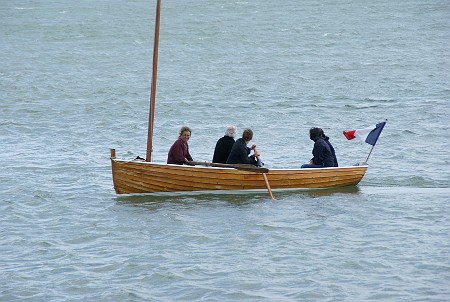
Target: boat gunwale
pixel 365 166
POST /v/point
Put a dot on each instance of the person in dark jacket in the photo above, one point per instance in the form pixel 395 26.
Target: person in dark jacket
pixel 224 145
pixel 179 152
pixel 240 152
pixel 323 151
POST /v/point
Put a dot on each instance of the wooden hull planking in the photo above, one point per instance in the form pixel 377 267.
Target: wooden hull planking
pixel 139 177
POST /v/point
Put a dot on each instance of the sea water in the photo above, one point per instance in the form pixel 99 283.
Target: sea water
pixel 75 81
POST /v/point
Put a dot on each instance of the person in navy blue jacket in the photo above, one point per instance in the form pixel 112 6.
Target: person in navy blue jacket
pixel 240 152
pixel 323 152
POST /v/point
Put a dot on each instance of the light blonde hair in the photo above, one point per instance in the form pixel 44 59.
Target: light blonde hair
pixel 231 131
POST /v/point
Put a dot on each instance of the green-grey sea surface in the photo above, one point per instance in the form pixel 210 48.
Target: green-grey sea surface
pixel 74 82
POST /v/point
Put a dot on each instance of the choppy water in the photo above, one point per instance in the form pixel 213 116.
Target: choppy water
pixel 74 82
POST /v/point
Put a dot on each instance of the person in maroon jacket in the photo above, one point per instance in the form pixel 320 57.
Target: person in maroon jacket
pixel 179 152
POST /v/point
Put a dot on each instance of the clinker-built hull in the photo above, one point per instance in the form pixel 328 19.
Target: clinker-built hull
pixel 140 177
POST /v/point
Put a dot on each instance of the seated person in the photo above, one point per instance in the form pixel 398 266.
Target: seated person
pixel 179 152
pixel 224 145
pixel 323 151
pixel 240 152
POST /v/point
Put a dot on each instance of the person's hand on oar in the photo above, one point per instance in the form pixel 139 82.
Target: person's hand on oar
pixel 257 155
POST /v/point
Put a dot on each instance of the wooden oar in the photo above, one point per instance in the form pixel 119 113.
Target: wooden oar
pixel 268 186
pixel 265 179
pixel 243 167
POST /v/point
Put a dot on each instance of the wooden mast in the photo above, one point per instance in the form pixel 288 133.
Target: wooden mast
pixel 151 114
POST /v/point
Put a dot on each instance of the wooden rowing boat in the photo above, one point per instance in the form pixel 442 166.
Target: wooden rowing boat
pixel 144 176
pixel 138 176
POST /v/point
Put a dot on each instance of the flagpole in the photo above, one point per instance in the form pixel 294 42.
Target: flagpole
pixel 373 146
pixel 369 154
